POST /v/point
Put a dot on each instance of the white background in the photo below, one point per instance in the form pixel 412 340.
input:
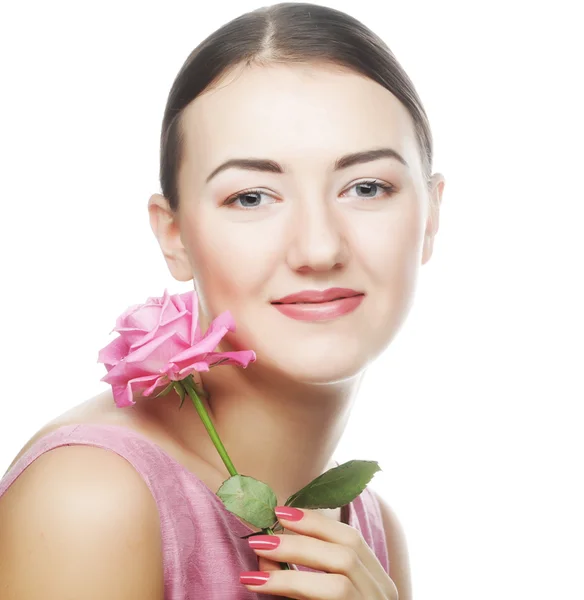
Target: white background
pixel 474 411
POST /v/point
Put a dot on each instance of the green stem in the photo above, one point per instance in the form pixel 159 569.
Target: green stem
pixel 199 406
pixel 209 425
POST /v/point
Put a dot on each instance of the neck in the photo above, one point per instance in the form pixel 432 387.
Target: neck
pixel 282 433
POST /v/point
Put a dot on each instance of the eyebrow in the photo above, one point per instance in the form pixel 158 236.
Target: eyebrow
pixel 270 166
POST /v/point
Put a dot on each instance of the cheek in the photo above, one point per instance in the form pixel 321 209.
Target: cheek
pixel 389 248
pixel 389 257
pixel 230 261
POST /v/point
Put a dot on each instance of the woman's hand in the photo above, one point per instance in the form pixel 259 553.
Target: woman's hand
pixel 352 569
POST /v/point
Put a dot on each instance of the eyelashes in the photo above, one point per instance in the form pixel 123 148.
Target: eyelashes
pixel 386 188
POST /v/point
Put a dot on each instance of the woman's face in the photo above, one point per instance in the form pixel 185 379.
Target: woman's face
pixel 307 224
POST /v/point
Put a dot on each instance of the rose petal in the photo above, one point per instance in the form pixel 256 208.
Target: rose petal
pixel 240 358
pixel 217 330
pixel 177 323
pixel 160 382
pixel 179 301
pixel 113 352
pixel 189 301
pixel 124 394
pixel 121 319
pixel 144 352
pixel 161 340
pixel 176 372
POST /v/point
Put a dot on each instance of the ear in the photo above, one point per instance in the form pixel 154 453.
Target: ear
pixel 434 201
pixel 165 225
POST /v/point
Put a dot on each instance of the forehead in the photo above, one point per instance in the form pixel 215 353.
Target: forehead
pixel 294 111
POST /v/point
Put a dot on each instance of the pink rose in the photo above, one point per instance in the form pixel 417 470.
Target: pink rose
pixel 160 341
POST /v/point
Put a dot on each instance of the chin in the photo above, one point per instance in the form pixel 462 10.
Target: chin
pixel 310 366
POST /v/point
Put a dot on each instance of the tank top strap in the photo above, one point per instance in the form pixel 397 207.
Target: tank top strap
pixel 146 457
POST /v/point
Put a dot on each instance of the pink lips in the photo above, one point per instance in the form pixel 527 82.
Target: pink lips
pixel 315 305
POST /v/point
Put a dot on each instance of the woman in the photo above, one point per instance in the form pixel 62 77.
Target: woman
pixel 295 158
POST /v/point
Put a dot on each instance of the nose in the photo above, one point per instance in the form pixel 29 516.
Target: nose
pixel 318 237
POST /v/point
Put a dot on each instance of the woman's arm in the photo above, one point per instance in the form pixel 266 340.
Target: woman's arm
pixel 80 523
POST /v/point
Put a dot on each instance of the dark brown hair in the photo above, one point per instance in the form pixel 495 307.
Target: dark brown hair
pixel 284 33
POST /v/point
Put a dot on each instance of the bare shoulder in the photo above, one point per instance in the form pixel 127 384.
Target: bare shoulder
pixel 80 522
pixel 99 409
pixel 399 563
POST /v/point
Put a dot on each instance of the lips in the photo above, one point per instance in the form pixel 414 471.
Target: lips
pixel 318 296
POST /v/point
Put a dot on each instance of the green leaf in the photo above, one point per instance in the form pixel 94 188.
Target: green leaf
pixel 250 499
pixel 337 487
pixel 180 390
pixel 165 390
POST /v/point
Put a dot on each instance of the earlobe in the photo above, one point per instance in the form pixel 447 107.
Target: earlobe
pixel 433 220
pixel 165 227
pixel 427 250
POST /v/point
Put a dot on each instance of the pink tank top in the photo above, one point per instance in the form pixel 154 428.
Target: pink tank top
pixel 203 554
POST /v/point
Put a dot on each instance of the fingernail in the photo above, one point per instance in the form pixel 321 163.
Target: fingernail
pixel 264 542
pixel 254 577
pixel 289 513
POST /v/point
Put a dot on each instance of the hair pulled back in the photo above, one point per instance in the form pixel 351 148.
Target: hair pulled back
pixel 289 32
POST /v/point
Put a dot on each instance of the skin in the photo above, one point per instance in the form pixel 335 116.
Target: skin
pixel 311 228
pixel 282 417
pixel 351 569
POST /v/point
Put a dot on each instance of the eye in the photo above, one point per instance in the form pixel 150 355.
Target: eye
pixel 249 199
pixel 373 189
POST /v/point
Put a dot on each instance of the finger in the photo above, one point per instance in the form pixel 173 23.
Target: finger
pixel 266 564
pixel 301 585
pixel 318 526
pixel 324 556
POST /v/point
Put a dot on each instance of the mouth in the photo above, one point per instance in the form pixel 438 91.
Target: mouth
pixel 318 296
pixel 322 302
pixel 319 305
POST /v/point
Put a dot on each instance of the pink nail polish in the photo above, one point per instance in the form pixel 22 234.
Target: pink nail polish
pixel 288 513
pixel 264 542
pixel 254 577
